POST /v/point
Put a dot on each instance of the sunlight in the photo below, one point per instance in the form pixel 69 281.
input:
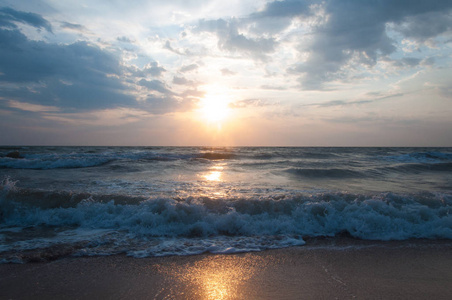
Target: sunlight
pixel 211 182
pixel 213 176
pixel 214 173
pixel 221 277
pixel 214 108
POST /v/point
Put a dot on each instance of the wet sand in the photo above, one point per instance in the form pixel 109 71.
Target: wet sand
pixel 325 269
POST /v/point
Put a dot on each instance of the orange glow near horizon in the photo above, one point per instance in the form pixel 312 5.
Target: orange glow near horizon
pixel 214 122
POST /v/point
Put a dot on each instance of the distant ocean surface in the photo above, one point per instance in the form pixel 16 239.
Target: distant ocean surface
pixel 156 201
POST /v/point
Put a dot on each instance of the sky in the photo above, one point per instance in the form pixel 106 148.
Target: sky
pixel 226 73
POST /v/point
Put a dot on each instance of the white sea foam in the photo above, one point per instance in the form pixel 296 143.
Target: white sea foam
pixel 162 201
pixel 196 225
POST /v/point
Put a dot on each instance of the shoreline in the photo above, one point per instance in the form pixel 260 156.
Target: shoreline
pixel 325 269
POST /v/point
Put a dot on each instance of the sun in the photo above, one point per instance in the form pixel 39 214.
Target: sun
pixel 214 109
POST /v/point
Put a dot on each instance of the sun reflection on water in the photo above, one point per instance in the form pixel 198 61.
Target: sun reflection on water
pixel 212 181
pixel 213 176
pixel 215 173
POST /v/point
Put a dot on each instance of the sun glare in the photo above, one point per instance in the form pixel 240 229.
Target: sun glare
pixel 214 109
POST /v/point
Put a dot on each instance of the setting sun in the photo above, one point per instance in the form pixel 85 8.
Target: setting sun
pixel 214 109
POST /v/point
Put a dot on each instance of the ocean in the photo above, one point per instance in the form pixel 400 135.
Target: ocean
pixel 157 201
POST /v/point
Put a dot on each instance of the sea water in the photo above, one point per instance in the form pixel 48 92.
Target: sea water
pixel 156 201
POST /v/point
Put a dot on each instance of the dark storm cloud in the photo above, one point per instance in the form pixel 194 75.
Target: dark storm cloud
pixel 8 16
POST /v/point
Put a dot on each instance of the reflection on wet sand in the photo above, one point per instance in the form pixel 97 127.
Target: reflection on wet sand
pixel 216 277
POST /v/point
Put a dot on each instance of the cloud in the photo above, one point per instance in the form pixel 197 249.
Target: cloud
pixel 155 85
pixel 185 52
pixel 246 103
pixel 422 27
pixel 153 69
pixel 290 8
pixel 230 39
pixel 193 93
pixel 32 107
pixel 375 121
pixel 273 87
pixel 277 15
pixel 124 39
pixel 8 16
pixel 373 99
pixel 355 32
pixel 105 117
pixel 410 62
pixel 338 37
pixel 446 91
pixel 74 76
pixel 227 72
pixel 182 81
pixel 168 104
pixel 37 77
pixel 74 27
pixel 189 68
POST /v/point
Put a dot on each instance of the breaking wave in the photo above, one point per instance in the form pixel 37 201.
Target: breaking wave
pixel 110 224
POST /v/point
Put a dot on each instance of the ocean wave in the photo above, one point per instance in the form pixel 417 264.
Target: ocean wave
pixel 324 173
pixel 287 153
pixel 216 155
pixel 420 157
pixel 413 168
pixel 93 158
pixel 47 161
pixel 52 163
pixel 164 226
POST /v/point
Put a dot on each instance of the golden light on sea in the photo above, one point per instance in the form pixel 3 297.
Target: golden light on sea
pixel 214 173
pixel 213 176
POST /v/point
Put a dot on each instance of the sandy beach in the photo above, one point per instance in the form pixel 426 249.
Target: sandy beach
pixel 326 269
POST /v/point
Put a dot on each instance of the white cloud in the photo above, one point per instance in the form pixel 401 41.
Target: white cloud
pixel 316 59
